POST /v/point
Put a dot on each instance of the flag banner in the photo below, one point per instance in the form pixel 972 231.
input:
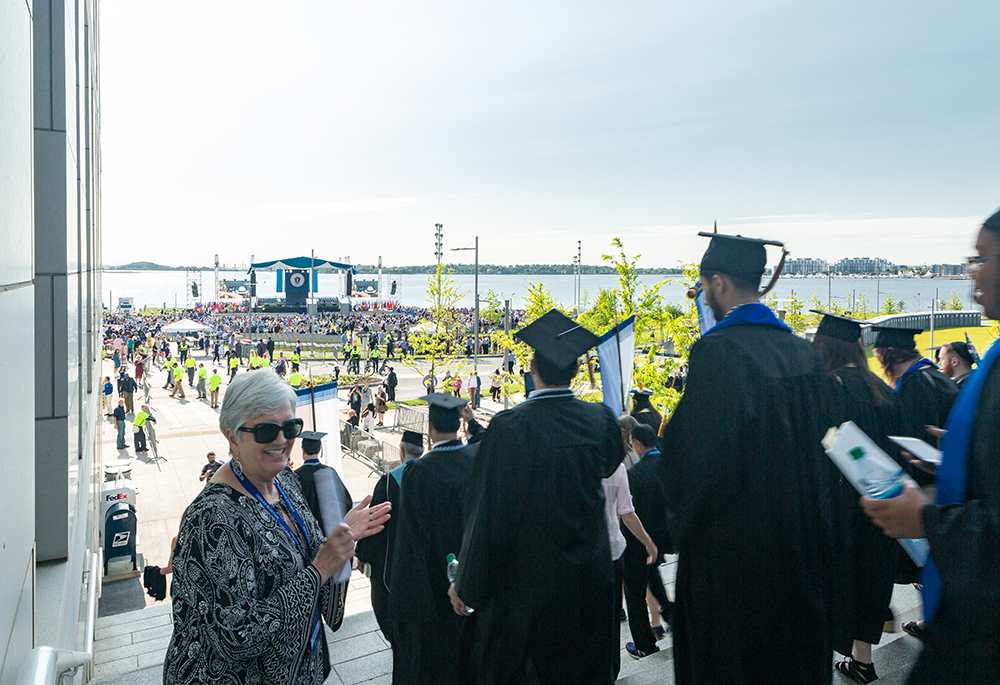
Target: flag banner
pixel 616 353
pixel 327 421
pixel 706 318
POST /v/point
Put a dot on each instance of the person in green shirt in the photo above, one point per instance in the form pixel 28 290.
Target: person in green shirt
pixel 202 379
pixel 234 364
pixel 168 364
pixel 295 361
pixel 189 364
pixel 139 422
pixel 182 349
pixel 213 388
pixel 295 380
pixel 178 382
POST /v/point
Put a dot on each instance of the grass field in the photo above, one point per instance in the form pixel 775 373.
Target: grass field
pixel 981 336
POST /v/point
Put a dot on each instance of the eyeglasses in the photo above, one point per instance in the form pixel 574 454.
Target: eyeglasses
pixel 976 262
pixel 264 433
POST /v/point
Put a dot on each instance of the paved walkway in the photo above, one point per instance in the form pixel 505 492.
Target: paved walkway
pixel 133 630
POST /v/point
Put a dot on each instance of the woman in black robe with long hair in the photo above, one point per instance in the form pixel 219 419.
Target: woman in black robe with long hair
pixel 869 557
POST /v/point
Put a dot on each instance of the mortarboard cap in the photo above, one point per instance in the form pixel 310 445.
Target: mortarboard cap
pixel 442 401
pixel 413 438
pixel 734 255
pixel 967 352
pixel 557 338
pixel 312 441
pixel 901 338
pixel 840 327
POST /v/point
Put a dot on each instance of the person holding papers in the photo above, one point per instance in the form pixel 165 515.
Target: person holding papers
pixel 865 581
pixel 312 448
pixel 961 583
pixel 749 491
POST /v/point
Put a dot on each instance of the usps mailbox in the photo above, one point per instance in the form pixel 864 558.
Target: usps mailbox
pixel 119 533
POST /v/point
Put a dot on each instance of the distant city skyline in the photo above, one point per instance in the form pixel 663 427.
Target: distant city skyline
pixel 840 128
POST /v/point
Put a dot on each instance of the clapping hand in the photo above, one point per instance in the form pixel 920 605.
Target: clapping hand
pixel 364 520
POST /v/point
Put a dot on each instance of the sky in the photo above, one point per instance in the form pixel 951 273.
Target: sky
pixel 847 128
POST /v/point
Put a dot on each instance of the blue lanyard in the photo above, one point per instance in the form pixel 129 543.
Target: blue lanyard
pixel 314 462
pixel 252 489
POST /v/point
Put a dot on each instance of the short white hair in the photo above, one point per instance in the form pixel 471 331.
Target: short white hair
pixel 252 394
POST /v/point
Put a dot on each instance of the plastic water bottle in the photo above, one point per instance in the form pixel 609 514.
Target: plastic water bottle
pixel 879 481
pixel 453 574
pixel 452 567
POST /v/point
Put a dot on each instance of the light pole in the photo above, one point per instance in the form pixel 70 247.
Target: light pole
pixel 579 275
pixel 438 252
pixel 475 348
pixel 506 352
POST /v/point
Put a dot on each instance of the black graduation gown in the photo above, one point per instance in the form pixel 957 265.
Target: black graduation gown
pixel 649 502
pixel 865 576
pixel 648 418
pixel 750 506
pixel 306 476
pixel 431 520
pixel 925 399
pixel 536 555
pixel 376 551
pixel 963 645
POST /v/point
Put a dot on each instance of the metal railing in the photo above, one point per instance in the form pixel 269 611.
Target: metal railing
pixel 50 666
pixel 368 449
pixel 410 419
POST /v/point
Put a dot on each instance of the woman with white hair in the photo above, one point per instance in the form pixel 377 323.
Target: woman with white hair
pixel 251 565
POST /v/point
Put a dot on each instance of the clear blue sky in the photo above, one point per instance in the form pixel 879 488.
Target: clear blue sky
pixel 844 128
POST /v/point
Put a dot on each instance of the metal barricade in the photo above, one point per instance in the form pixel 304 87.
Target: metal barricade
pixel 410 419
pixel 368 449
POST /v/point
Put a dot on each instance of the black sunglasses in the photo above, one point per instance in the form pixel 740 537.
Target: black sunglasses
pixel 264 433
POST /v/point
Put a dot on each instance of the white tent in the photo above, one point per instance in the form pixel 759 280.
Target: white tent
pixel 184 326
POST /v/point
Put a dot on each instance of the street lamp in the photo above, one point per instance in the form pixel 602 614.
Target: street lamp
pixel 475 350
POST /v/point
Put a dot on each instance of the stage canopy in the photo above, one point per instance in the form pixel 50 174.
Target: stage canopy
pixel 300 263
pixel 184 326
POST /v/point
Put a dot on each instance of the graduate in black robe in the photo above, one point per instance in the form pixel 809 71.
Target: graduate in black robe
pixel 961 584
pixel 535 563
pixel 431 520
pixel 643 410
pixel 375 552
pixel 868 558
pixel 750 492
pixel 312 446
pixel 649 501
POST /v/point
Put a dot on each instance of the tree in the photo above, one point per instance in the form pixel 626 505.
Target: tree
pixel 952 304
pixel 438 338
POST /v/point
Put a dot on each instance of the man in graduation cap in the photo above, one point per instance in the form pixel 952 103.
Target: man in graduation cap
pixel 749 491
pixel 925 394
pixel 375 552
pixel 431 519
pixel 535 562
pixel 312 447
pixel 956 360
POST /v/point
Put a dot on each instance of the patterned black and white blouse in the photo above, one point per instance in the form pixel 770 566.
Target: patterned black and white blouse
pixel 243 597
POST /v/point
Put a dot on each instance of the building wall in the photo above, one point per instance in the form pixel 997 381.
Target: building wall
pixel 17 292
pixel 50 343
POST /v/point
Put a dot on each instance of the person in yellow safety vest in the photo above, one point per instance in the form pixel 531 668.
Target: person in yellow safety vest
pixel 182 349
pixel 295 380
pixel 168 364
pixel 375 354
pixel 202 379
pixel 234 365
pixel 213 388
pixel 295 361
pixel 189 364
pixel 140 422
pixel 348 348
pixel 252 361
pixel 178 382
